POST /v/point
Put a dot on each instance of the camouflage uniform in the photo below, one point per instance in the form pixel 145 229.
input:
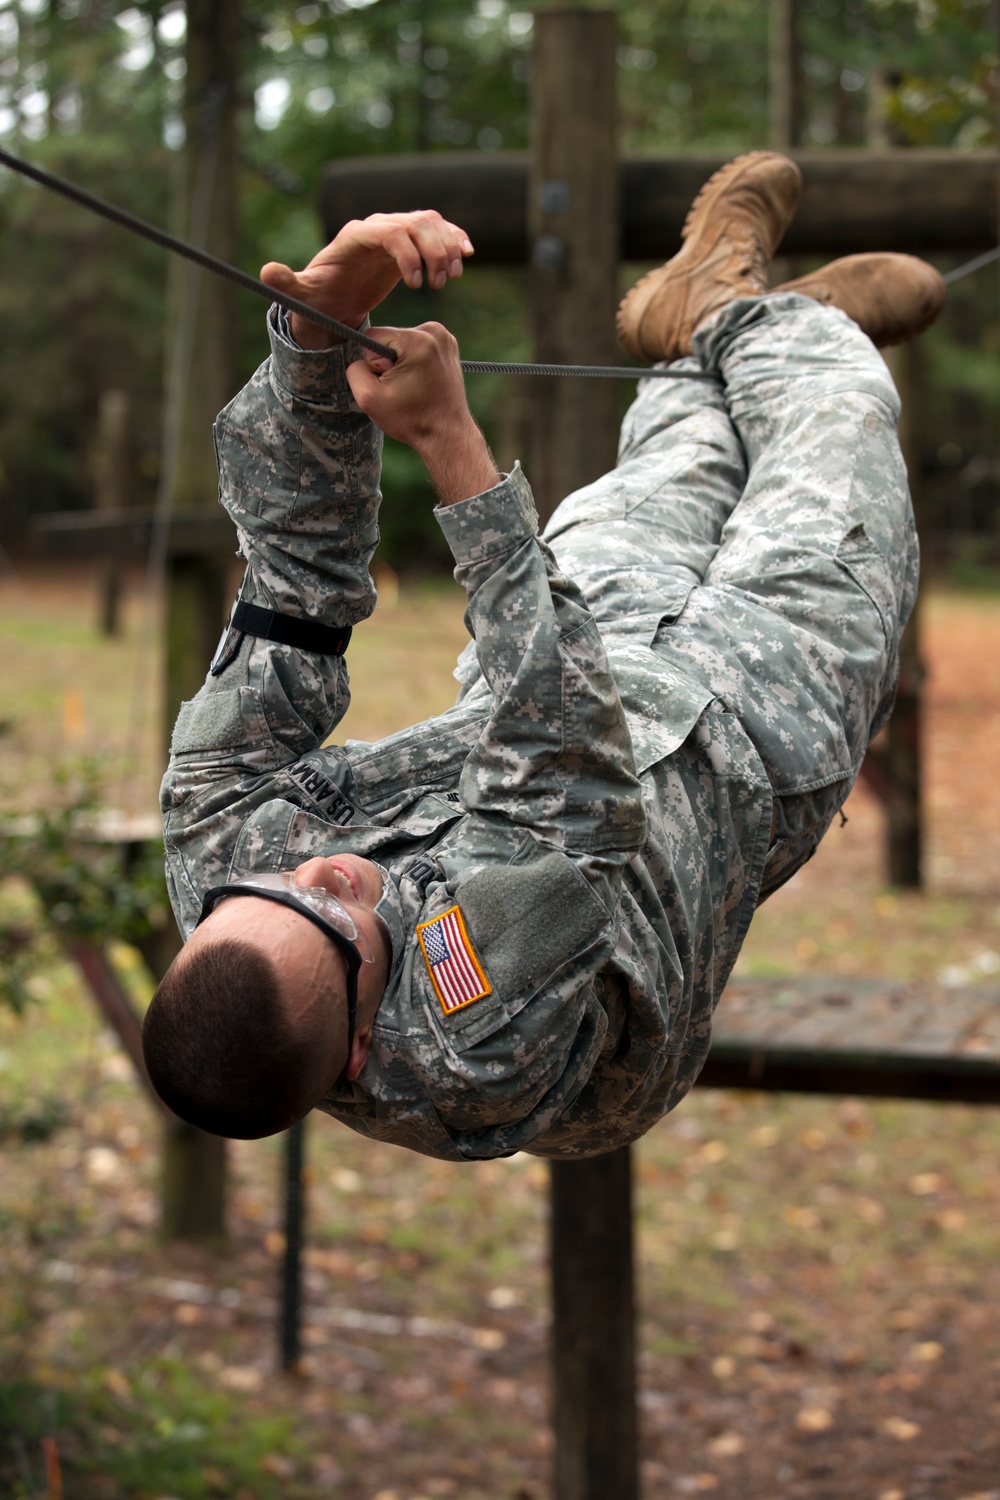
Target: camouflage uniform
pixel 662 707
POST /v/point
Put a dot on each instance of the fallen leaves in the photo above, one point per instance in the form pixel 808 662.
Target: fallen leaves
pixel 245 1378
pixel 814 1419
pixel 101 1165
pixel 802 1217
pixel 117 1383
pixel 713 1152
pixel 278 1466
pixel 727 1445
pixel 926 1184
pixel 901 1428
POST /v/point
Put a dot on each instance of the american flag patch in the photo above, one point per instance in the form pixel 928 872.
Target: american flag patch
pixel 451 962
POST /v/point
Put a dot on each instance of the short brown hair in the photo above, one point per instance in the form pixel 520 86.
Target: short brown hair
pixel 221 1048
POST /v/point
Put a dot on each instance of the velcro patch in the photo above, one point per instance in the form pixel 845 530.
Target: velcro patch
pixel 456 973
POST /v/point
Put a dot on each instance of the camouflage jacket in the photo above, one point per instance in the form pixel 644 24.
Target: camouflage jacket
pixel 597 819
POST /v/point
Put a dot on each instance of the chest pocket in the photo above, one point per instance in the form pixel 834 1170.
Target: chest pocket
pixel 280 836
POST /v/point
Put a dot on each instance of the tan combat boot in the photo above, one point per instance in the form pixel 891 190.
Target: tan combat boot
pixel 730 234
pixel 892 298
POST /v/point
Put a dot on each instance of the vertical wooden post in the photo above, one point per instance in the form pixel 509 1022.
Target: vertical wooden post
pixel 111 492
pixel 193 1185
pixel 291 1265
pixel 196 584
pixel 784 79
pixel 784 100
pixel 901 760
pixel 593 1329
pixel 898 765
pixel 194 1169
pixel 573 237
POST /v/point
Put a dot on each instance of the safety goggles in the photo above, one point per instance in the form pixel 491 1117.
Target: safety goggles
pixel 317 906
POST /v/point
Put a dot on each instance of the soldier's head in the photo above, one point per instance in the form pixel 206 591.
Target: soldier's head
pixel 272 999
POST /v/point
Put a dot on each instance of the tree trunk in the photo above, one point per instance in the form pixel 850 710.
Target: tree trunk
pixel 111 492
pixel 201 379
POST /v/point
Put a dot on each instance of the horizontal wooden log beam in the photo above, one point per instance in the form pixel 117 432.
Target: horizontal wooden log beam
pixel 781 1070
pixel 914 200
pixel 126 534
pixel 823 1034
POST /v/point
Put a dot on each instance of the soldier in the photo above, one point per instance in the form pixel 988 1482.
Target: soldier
pixel 506 928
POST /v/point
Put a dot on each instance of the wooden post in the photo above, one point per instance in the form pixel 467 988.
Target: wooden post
pixel 573 219
pixel 291 1266
pixel 196 583
pixel 194 1170
pixel 901 757
pixel 593 1329
pixel 111 493
pixel 896 774
pixel 784 82
pixel 784 99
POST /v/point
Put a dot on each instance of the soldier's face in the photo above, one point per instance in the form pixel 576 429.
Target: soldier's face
pixel 313 970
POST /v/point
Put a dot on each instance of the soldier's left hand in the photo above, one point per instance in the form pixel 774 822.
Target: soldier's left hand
pixel 360 267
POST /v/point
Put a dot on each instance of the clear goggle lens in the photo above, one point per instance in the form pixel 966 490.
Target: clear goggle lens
pixel 318 900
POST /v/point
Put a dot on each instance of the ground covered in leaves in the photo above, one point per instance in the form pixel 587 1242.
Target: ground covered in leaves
pixel 818 1279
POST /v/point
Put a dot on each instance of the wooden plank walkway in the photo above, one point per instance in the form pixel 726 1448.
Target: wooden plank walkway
pixel 827 1035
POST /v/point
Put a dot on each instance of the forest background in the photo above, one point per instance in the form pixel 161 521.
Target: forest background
pixel 93 90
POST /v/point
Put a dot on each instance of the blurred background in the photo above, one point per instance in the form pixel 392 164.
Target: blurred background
pixel 95 91
pixel 818 1278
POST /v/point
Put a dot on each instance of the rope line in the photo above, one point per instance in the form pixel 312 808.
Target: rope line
pixel 973 265
pixel 132 222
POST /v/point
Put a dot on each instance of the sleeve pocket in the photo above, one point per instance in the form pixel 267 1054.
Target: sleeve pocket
pixel 526 922
pixel 218 721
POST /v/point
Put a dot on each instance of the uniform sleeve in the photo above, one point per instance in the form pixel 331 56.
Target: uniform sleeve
pixel 299 468
pixel 498 1018
pixel 555 756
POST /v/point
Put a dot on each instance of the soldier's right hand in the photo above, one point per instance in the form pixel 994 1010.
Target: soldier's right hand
pixel 420 400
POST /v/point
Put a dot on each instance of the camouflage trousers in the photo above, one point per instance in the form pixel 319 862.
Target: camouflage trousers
pixel 758 530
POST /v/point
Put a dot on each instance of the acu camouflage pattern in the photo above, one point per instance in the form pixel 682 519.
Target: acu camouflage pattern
pixel 662 706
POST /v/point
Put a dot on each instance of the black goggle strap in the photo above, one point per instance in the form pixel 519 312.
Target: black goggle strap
pixel 285 898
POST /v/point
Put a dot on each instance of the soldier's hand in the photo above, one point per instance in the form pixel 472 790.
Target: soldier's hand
pixel 420 400
pixel 360 267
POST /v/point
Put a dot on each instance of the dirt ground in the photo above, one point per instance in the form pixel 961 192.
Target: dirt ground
pixel 818 1279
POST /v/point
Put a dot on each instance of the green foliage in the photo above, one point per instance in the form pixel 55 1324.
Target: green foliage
pixel 32 1123
pixel 166 1432
pixel 83 886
